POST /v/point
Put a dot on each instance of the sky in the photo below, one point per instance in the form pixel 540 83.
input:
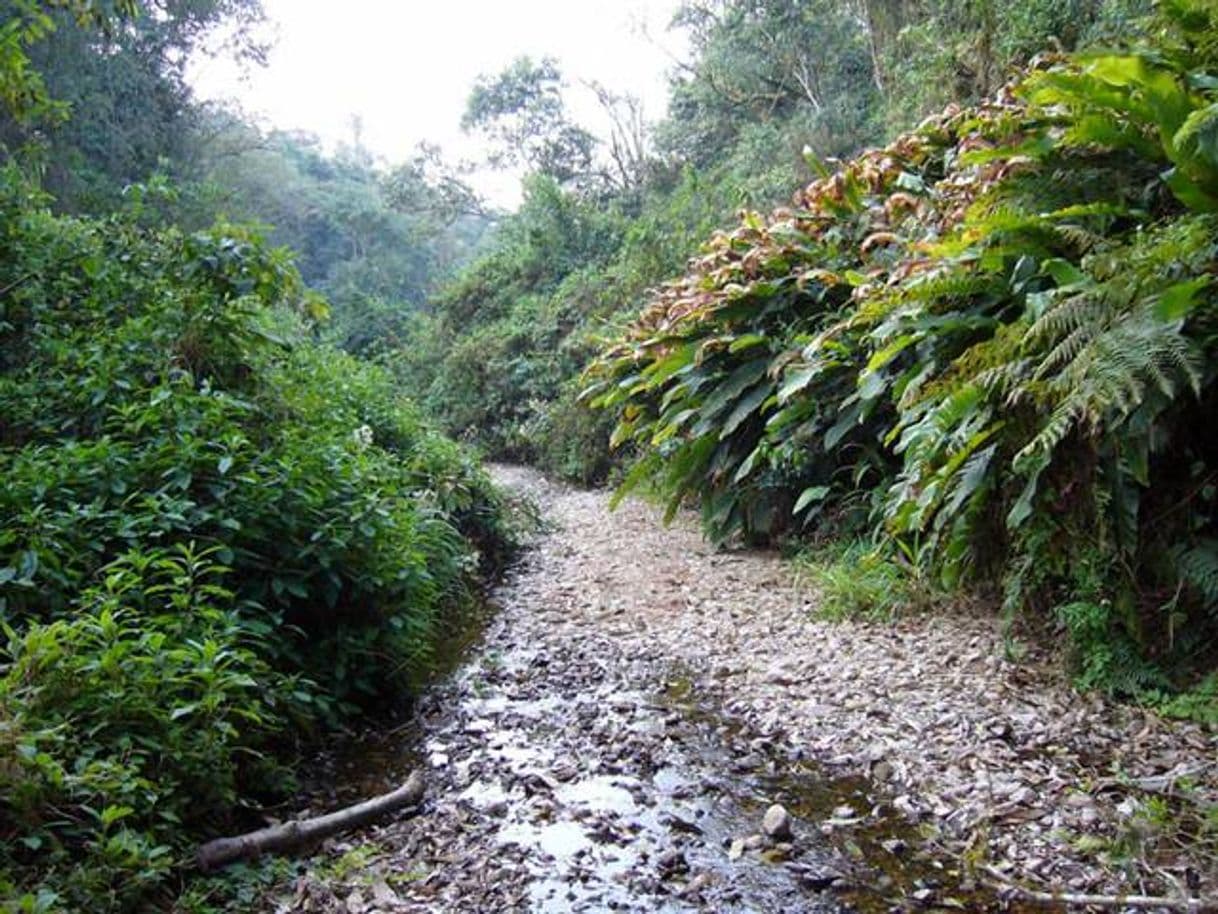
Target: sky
pixel 405 67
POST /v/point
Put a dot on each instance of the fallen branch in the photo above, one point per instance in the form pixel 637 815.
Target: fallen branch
pixel 1191 905
pixel 289 835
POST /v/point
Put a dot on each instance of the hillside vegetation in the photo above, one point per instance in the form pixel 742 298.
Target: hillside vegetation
pixel 501 353
pixel 221 539
pixel 985 347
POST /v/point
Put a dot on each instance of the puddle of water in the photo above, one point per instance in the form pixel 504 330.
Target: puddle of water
pixel 358 766
pixel 484 794
pixel 560 840
pixel 597 848
pixel 603 794
pixel 884 843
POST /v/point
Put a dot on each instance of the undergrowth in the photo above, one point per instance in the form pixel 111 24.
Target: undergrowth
pixel 990 347
pixel 856 580
pixel 220 540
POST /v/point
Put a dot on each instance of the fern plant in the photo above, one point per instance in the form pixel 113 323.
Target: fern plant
pixel 992 342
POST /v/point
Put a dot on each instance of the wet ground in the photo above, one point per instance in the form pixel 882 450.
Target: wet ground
pixel 602 748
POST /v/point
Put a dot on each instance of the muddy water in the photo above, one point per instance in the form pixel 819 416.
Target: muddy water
pixel 567 773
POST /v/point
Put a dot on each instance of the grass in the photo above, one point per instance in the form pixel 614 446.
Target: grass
pixel 856 580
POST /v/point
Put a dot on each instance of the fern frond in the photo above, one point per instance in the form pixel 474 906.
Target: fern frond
pixel 1198 567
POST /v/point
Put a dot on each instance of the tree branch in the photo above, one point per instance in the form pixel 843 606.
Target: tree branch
pixel 1191 905
pixel 290 835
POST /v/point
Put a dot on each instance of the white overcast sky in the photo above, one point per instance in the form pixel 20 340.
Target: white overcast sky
pixel 405 67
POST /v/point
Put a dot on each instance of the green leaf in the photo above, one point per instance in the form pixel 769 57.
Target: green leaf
pixel 746 408
pixel 890 352
pixel 1064 273
pixel 747 341
pixel 849 419
pixel 797 381
pixel 112 814
pixel 1197 138
pixel 1175 302
pixel 872 384
pixel 809 496
pixel 1188 192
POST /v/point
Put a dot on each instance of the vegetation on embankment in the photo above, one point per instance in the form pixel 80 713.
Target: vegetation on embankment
pixel 988 345
pixel 500 355
pixel 985 347
pixel 220 538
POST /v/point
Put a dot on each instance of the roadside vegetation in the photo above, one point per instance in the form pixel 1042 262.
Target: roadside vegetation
pixel 222 538
pixel 984 347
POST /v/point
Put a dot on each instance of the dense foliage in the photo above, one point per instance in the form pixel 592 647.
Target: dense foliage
pixel 217 534
pixel 219 539
pixel 375 242
pixel 765 81
pixel 991 341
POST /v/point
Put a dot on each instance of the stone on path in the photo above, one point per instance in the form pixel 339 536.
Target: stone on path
pixel 777 823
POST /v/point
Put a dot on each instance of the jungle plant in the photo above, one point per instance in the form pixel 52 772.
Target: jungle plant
pixel 991 340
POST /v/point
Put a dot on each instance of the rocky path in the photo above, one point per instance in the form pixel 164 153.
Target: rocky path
pixel 640 702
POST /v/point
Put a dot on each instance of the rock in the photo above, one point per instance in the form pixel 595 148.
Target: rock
pixel 818 877
pixel 383 895
pixel 671 862
pixel 356 903
pixel 747 763
pixel 1024 796
pixel 565 772
pixel 894 846
pixel 699 883
pixel 736 851
pixel 779 853
pixel 776 823
pixel 676 823
pixel 753 842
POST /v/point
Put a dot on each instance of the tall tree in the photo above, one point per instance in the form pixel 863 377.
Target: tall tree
pixel 521 112
pixel 763 61
pixel 124 86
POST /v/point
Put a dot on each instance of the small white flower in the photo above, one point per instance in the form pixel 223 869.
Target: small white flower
pixel 362 436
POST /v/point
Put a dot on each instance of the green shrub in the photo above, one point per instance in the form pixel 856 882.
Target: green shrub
pixel 131 724
pixel 856 580
pixel 1199 703
pixel 218 538
pixel 992 341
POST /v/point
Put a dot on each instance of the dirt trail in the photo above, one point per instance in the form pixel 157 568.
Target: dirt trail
pixel 640 699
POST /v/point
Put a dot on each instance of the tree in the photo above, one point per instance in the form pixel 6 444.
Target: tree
pixel 522 114
pixel 629 144
pixel 118 69
pixel 762 61
pixel 427 185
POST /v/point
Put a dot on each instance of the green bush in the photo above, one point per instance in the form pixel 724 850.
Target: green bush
pixel 857 580
pixel 218 538
pixel 142 716
pixel 992 342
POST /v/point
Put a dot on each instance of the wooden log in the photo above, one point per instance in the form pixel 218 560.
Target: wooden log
pixel 1163 903
pixel 290 835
